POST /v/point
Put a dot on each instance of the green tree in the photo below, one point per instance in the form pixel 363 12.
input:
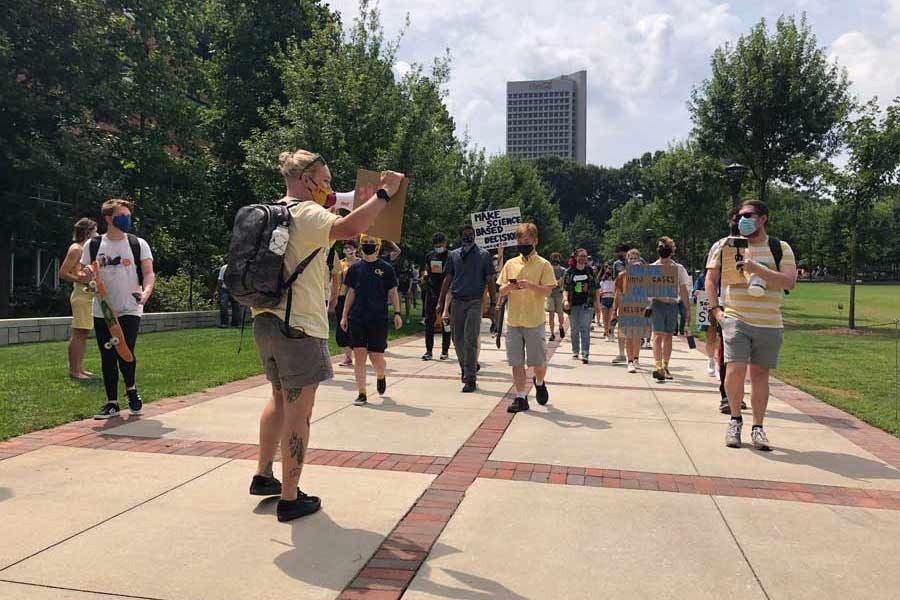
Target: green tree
pixel 770 99
pixel 582 233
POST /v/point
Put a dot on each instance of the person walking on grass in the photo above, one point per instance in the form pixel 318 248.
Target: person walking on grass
pixel 555 299
pixel 607 291
pixel 432 278
pixel 664 312
pixel 627 338
pixel 80 300
pixel 579 298
pixel 126 269
pixel 296 358
pixel 751 321
pixel 371 283
pixel 526 280
pixel 468 272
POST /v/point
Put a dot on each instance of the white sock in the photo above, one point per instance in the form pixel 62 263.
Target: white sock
pixel 538 381
pixel 520 395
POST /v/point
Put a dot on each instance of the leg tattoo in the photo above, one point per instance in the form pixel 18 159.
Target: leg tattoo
pixel 296 447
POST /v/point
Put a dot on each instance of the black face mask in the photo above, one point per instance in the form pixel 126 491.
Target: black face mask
pixel 369 249
pixel 664 251
pixel 468 239
pixel 555 262
pixel 526 249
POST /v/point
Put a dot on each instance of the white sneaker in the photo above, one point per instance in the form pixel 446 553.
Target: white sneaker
pixel 632 367
pixel 618 360
pixel 711 368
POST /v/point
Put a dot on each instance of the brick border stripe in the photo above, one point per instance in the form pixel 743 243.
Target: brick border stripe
pixel 692 484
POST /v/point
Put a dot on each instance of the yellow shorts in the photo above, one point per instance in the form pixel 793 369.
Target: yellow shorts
pixel 82 315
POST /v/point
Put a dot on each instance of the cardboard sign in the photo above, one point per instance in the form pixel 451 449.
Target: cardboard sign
pixel 389 224
pixel 730 273
pixel 494 228
pixel 644 282
pixel 702 309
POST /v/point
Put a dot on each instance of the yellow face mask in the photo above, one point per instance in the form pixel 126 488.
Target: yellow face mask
pixel 324 196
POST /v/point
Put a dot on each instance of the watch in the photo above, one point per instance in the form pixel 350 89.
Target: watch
pixel 382 193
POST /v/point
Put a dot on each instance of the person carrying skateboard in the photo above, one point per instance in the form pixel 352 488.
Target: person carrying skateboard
pixel 370 283
pixel 527 280
pixel 126 270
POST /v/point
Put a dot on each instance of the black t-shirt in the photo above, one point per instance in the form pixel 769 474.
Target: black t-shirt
pixel 371 282
pixel 579 284
pixel 434 266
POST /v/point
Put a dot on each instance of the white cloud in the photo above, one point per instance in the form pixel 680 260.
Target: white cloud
pixel 873 63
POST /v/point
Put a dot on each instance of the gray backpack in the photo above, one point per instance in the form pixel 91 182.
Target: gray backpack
pixel 255 273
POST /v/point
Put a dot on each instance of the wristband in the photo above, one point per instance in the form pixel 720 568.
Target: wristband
pixel 382 193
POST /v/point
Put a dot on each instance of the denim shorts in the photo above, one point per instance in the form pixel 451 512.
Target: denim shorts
pixel 664 316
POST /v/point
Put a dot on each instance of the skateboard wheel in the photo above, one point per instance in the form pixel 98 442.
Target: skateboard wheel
pixel 114 341
pixel 107 345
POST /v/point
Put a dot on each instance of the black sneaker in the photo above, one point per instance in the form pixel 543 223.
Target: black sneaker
pixel 135 402
pixel 668 375
pixel 381 385
pixel 426 356
pixel 469 387
pixel 562 333
pixel 288 510
pixel 585 360
pixel 518 405
pixel 110 410
pixel 659 375
pixel 575 356
pixel 724 408
pixel 552 338
pixel 264 485
pixel 540 393
pixel 743 405
pixel 444 356
pixel 361 400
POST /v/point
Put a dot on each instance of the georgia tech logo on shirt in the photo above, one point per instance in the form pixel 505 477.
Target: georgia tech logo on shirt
pixel 379 272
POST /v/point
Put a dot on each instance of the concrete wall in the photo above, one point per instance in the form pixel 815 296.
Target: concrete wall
pixel 23 331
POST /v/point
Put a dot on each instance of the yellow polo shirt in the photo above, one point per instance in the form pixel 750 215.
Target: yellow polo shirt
pixel 525 308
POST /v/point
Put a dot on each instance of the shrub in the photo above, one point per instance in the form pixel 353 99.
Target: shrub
pixel 173 293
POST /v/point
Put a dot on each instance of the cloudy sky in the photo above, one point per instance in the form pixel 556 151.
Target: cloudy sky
pixel 642 58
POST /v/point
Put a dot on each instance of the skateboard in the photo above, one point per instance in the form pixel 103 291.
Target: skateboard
pixel 501 312
pixel 117 336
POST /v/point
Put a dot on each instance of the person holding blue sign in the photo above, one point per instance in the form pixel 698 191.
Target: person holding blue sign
pixel 664 309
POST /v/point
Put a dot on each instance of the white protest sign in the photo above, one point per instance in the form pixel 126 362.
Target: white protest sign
pixel 702 309
pixel 496 227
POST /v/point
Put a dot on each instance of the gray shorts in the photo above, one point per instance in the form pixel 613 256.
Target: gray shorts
pixel 664 316
pixel 554 303
pixel 526 340
pixel 745 343
pixel 290 363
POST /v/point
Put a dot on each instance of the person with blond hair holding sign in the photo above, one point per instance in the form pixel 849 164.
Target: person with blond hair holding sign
pixel 526 280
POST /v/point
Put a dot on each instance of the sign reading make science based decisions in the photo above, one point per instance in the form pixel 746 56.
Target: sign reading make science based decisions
pixel 645 282
pixel 496 227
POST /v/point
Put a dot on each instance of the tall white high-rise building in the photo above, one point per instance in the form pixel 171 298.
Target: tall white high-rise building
pixel 547 117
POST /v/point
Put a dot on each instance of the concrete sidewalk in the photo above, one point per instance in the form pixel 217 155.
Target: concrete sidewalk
pixel 621 487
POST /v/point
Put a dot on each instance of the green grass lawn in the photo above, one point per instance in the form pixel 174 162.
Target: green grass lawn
pixel 35 392
pixel 853 371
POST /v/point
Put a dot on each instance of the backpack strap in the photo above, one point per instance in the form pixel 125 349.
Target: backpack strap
pixel 777 254
pixel 135 244
pixel 289 284
pixel 94 247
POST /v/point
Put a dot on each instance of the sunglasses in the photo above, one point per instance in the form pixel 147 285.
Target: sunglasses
pixel 748 215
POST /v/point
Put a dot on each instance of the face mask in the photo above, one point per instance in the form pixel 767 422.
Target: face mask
pixel 555 262
pixel 526 249
pixel 122 222
pixel 468 239
pixel 369 249
pixel 323 196
pixel 664 251
pixel 747 225
pixel 439 249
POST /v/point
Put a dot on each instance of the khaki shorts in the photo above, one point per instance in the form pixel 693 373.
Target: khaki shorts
pixel 82 316
pixel 526 340
pixel 554 303
pixel 290 363
pixel 745 343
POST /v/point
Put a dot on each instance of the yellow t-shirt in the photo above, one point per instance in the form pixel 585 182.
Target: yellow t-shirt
pixel 525 308
pixel 763 311
pixel 310 229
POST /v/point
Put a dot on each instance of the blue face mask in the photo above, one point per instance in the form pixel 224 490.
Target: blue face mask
pixel 747 225
pixel 122 222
